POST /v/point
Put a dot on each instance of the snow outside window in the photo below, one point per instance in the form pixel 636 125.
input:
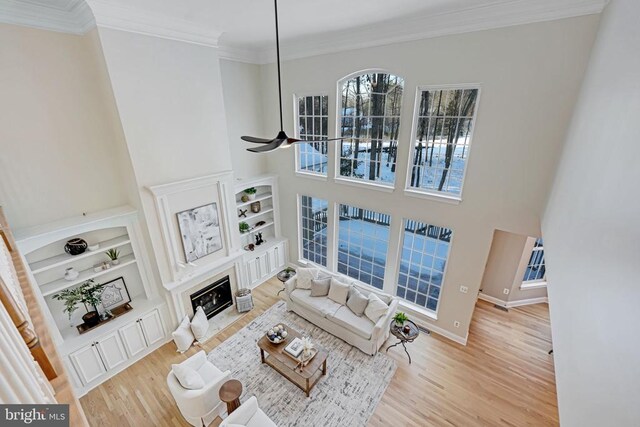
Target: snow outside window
pixel 444 122
pixel 313 236
pixel 311 118
pixel 536 269
pixel 369 119
pixel 363 241
pixel 425 250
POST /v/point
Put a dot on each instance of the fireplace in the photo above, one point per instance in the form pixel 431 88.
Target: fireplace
pixel 213 298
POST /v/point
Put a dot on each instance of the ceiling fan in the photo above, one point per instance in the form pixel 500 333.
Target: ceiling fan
pixel 281 138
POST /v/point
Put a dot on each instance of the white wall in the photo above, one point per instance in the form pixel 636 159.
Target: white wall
pixel 592 236
pixel 530 76
pixel 243 107
pixel 60 140
pixel 170 101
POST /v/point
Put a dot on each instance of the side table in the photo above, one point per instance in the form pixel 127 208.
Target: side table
pixel 230 394
pixel 283 276
pixel 408 337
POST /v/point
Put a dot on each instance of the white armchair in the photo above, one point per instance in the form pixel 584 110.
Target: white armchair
pixel 248 415
pixel 199 407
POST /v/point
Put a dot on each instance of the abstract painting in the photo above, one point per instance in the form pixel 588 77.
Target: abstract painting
pixel 200 231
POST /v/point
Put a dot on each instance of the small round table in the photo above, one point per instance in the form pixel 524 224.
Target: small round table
pixel 409 337
pixel 283 276
pixel 230 394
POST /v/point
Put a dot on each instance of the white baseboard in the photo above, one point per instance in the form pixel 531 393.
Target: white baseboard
pixel 443 332
pixel 492 300
pixel 511 304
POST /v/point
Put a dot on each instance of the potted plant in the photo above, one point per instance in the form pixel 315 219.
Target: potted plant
pixel 244 227
pixel 251 192
pixel 87 293
pixel 113 255
pixel 400 318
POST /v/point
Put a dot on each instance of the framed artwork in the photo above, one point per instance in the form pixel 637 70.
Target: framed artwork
pixel 200 231
pixel 114 294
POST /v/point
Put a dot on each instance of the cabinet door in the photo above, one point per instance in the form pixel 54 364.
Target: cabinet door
pixel 263 265
pixel 133 338
pixel 111 351
pixel 88 364
pixel 152 327
pixel 272 260
pixel 253 271
pixel 280 255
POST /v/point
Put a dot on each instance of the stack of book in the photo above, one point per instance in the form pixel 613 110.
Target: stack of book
pixel 294 348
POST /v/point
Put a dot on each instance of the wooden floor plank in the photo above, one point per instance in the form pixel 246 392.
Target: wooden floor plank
pixel 503 377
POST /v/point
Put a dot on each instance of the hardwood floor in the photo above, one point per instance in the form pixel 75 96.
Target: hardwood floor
pixel 503 377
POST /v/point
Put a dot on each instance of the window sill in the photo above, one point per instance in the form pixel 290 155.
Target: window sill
pixel 452 200
pixel 364 184
pixel 412 308
pixel 310 175
pixel 533 285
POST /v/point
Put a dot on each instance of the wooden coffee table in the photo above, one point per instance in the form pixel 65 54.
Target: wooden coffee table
pixel 275 356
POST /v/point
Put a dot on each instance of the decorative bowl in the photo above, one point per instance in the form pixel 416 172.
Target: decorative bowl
pixel 75 246
pixel 277 334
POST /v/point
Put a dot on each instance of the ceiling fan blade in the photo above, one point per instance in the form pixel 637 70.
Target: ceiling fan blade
pixel 295 140
pixel 268 147
pixel 256 140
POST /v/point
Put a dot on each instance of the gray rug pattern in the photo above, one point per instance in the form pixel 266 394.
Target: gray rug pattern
pixel 346 396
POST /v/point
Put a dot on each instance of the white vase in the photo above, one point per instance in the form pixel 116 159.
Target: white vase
pixel 251 196
pixel 71 274
pixel 115 261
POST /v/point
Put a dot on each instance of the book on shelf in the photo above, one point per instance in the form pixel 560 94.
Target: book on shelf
pixel 294 348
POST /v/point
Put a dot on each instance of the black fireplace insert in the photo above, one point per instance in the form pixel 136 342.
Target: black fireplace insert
pixel 214 298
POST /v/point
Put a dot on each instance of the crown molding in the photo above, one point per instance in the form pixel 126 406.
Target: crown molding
pixel 495 15
pixel 146 22
pixel 72 17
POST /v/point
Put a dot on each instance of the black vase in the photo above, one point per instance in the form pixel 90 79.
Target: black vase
pixel 75 246
pixel 92 318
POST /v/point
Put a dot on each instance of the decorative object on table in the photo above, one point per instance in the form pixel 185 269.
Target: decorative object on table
pixel 105 265
pixel 230 393
pixel 255 207
pixel 242 213
pixel 88 294
pixel 75 246
pixel 260 223
pixel 200 231
pixel 295 347
pixel 114 294
pixel 244 198
pixel 400 318
pixel 113 255
pixel 277 334
pixel 402 336
pixel 307 347
pixel 259 239
pixel 406 329
pixel 249 247
pixel 251 192
pixel 244 227
pixel 71 274
pixel 244 300
pixel 285 275
pixel 93 248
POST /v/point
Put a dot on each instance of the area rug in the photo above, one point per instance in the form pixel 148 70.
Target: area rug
pixel 346 396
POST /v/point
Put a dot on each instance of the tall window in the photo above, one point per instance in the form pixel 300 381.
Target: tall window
pixel 425 250
pixel 313 220
pixel 369 118
pixel 536 269
pixel 441 139
pixel 312 120
pixel 363 240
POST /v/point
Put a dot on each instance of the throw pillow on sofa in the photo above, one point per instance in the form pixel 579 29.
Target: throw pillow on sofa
pixel 199 324
pixel 338 291
pixel 357 301
pixel 183 337
pixel 304 276
pixel 376 308
pixel 320 287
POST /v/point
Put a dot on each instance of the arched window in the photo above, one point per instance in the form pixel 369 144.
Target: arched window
pixel 369 119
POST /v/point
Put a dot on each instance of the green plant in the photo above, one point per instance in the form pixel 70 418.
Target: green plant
pixel 244 227
pixel 400 318
pixel 251 190
pixel 290 270
pixel 113 254
pixel 87 293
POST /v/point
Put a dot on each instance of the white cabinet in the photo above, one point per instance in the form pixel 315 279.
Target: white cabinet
pixel 264 265
pixel 111 351
pixel 133 338
pixel 88 363
pixel 152 327
pixel 276 258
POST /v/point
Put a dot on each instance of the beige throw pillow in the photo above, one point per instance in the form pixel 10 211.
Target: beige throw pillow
pixel 320 287
pixel 183 337
pixel 199 324
pixel 188 377
pixel 357 301
pixel 338 291
pixel 304 276
pixel 376 308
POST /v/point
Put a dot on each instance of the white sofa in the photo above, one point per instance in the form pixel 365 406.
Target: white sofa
pixel 248 415
pixel 338 319
pixel 200 407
